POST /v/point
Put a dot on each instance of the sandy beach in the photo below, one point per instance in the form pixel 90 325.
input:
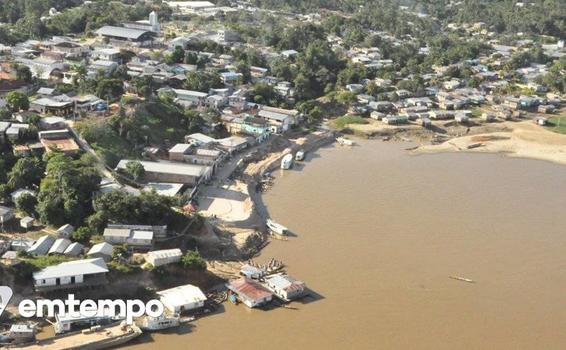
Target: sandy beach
pixel 524 140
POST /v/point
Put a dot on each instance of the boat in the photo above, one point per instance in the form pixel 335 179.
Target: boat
pixel 287 162
pixel 463 279
pixel 276 228
pixel 95 338
pixel 300 156
pixel 344 141
pixel 152 324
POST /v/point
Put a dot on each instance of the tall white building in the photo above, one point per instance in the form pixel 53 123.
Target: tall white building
pixel 154 22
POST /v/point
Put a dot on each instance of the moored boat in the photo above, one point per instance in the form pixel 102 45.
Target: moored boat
pixel 287 162
pixel 344 141
pixel 276 228
pixel 95 338
pixel 300 156
pixel 162 322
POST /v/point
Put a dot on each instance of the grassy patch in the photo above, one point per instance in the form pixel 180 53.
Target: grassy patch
pixel 557 124
pixel 342 122
pixel 42 262
pixel 151 123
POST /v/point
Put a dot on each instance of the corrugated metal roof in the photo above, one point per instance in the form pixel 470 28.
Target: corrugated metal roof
pixel 74 249
pixel 249 288
pixel 165 253
pixel 42 245
pixel 182 295
pixel 72 268
pixel 101 248
pixel 121 32
pixel 59 246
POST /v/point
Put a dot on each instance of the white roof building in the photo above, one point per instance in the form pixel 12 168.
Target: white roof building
pixel 42 245
pixel 182 298
pixel 164 257
pixel 74 249
pixel 71 274
pixel 59 246
pixel 101 250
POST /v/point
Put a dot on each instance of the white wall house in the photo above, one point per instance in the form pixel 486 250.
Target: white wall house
pixel 182 298
pixel 72 274
pixel 164 257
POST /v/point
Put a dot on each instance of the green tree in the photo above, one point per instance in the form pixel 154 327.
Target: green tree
pixel 82 234
pixel 26 173
pixel 110 88
pixel 135 170
pixel 202 81
pixel 17 101
pixel 177 56
pixel 26 203
pixel 193 261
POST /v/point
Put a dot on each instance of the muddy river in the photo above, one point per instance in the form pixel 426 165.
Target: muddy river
pixel 378 233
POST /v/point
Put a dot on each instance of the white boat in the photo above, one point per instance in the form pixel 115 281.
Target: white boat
pixel 344 141
pixel 287 162
pixel 275 227
pixel 162 322
pixel 300 155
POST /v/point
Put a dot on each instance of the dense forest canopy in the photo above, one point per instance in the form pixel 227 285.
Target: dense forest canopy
pixel 504 16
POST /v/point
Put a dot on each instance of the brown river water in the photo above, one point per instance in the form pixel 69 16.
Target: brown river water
pixel 379 232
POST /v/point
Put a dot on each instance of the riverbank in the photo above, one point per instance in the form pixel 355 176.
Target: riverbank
pixel 234 208
pixel 522 139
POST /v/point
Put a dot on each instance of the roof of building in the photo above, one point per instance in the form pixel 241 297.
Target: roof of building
pixel 122 32
pixel 42 245
pixel 117 232
pixel 249 288
pixel 64 145
pixel 273 115
pixel 165 253
pixel 101 248
pixel 73 268
pixel 284 282
pixel 143 235
pixel 189 93
pixel 67 228
pixel 74 249
pixel 169 168
pixel 164 188
pixel 49 102
pixel 180 148
pixel 182 295
pixel 59 246
pixel 190 4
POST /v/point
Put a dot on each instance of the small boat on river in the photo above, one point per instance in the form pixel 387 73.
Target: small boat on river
pixel 276 228
pixel 287 162
pixel 344 141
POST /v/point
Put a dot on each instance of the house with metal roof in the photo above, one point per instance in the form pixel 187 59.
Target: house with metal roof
pixel 74 249
pixel 250 292
pixel 279 122
pixel 59 246
pixel 6 214
pixel 65 231
pixel 285 286
pixel 42 245
pixel 190 174
pixel 140 239
pixel 101 250
pixel 126 36
pixel 182 298
pixel 71 275
pixel 26 222
pixel 164 257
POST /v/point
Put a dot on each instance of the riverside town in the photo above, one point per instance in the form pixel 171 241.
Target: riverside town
pixel 337 174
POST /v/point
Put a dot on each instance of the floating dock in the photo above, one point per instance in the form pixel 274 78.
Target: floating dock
pixel 92 339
